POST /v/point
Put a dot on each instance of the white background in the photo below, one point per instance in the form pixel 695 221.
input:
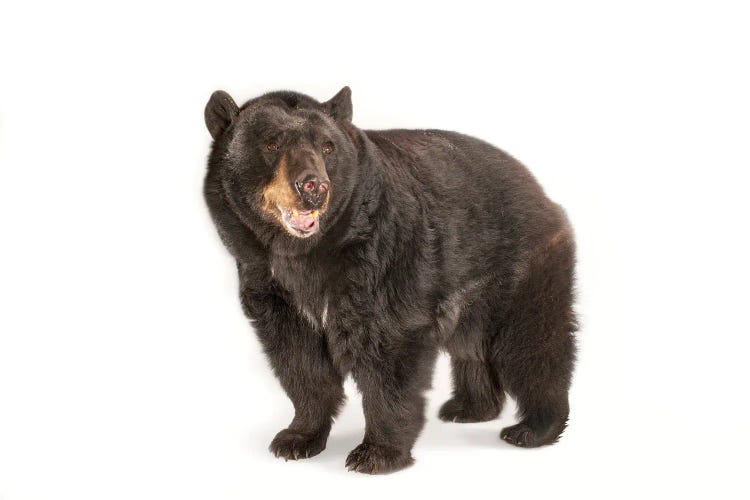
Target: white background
pixel 127 370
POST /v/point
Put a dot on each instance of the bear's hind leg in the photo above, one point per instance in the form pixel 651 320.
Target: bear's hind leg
pixel 535 347
pixel 539 382
pixel 544 416
pixel 477 395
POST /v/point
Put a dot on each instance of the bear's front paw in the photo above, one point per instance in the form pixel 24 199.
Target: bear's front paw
pixel 375 459
pixel 293 445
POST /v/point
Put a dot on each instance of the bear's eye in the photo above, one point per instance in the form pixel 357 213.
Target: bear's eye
pixel 272 147
pixel 328 148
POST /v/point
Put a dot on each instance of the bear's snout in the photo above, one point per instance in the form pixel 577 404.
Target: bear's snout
pixel 312 189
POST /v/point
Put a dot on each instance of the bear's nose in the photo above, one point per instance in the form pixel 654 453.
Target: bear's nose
pixel 312 188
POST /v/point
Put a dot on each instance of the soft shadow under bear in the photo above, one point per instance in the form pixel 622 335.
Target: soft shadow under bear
pixel 365 252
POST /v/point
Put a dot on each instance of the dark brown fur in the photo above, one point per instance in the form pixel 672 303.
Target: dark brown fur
pixel 427 240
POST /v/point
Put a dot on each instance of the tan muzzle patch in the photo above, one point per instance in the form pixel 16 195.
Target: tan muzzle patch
pixel 279 191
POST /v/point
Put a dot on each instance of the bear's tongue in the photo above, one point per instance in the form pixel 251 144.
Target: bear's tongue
pixel 304 220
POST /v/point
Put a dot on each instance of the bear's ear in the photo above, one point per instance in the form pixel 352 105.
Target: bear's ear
pixel 340 105
pixel 220 111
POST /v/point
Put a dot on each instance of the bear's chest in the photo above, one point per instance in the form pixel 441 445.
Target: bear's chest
pixel 330 297
pixel 315 287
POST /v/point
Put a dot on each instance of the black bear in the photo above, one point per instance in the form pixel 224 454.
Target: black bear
pixel 365 252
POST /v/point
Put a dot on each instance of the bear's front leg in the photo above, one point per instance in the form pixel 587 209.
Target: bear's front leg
pixel 301 362
pixel 392 389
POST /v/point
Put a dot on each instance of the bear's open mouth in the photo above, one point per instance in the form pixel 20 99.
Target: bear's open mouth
pixel 300 223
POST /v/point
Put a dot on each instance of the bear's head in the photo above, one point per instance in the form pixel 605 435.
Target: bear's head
pixel 284 158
